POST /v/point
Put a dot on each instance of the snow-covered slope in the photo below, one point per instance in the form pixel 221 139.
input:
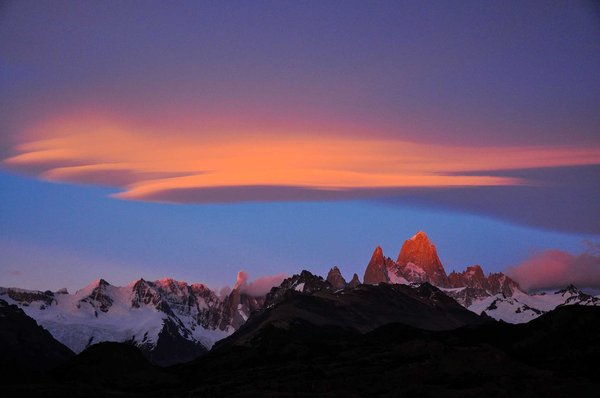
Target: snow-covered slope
pixel 143 313
pixel 522 307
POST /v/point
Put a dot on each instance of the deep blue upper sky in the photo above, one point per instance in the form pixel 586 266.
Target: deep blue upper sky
pixel 289 135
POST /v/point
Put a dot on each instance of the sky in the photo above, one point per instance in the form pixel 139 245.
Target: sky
pixel 196 139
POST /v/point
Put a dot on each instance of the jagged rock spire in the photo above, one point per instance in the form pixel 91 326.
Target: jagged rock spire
pixel 335 278
pixel 354 281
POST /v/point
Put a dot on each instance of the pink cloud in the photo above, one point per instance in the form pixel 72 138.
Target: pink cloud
pixel 259 286
pixel 555 268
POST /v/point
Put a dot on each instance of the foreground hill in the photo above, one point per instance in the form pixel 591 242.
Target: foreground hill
pixel 26 349
pixel 555 355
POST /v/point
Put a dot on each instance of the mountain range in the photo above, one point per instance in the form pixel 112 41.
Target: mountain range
pixel 310 339
pixel 173 322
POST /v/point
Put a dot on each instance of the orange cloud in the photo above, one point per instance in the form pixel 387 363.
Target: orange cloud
pixel 152 164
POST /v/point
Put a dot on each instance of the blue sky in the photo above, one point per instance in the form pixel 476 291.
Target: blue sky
pixel 192 140
pixel 77 234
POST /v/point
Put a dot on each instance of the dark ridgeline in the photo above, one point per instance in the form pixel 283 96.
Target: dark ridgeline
pixel 26 349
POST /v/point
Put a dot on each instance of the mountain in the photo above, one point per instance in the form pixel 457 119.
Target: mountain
pixel 170 321
pixel 418 261
pixel 335 278
pixel 237 306
pixel 305 283
pixel 354 281
pixel 495 294
pixel 326 354
pixel 376 271
pixel 26 349
pixel 306 300
pixel 521 307
pixel 173 322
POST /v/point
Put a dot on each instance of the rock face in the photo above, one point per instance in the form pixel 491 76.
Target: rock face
pixel 354 281
pixel 418 261
pixel 474 278
pixel 475 285
pixel 376 271
pixel 500 283
pixel 99 298
pixel 303 283
pixel 335 278
pixel 237 307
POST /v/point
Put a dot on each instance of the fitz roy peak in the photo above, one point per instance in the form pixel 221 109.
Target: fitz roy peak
pixel 418 261
pixel 495 294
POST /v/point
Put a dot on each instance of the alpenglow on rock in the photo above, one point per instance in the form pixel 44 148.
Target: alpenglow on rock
pixel 418 261
pixel 376 271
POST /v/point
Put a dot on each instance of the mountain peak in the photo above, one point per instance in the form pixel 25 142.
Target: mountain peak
pixel 418 253
pixel 335 278
pixel 569 289
pixel 377 254
pixel 376 271
pixel 420 236
pixel 354 281
pixel 474 271
pixel 89 289
pixel 303 283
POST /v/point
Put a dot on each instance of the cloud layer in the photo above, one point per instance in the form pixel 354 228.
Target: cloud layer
pixel 553 269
